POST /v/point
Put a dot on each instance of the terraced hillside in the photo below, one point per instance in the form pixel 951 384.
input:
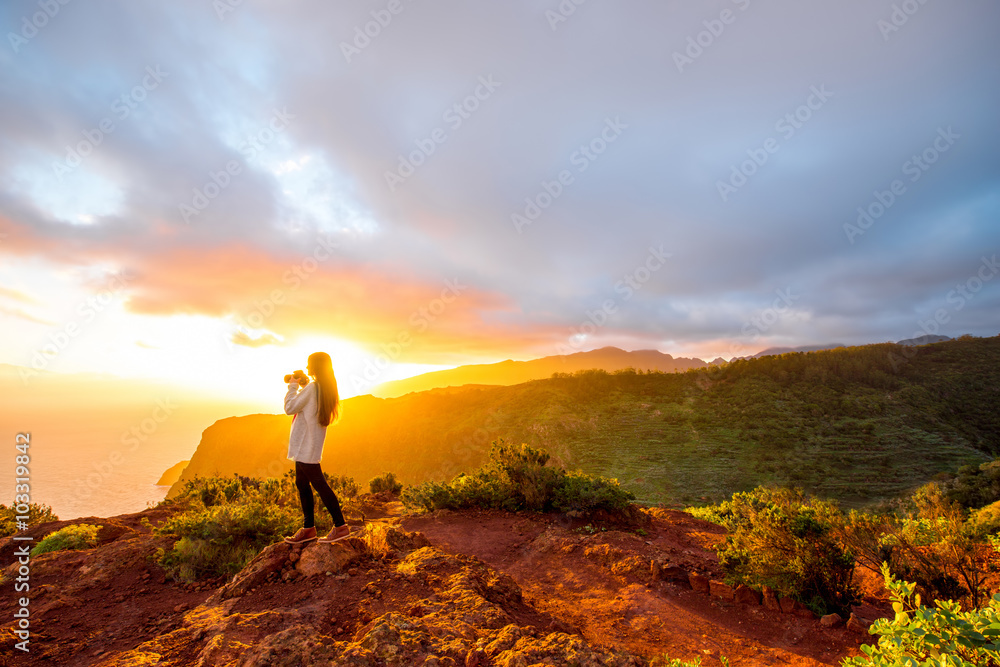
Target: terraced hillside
pixel 859 424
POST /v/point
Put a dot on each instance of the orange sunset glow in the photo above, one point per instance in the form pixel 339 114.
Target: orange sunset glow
pixel 499 332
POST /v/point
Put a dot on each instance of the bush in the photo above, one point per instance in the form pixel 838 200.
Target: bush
pixel 342 485
pixel 385 482
pixel 36 514
pixel 77 536
pixel 986 520
pixel 782 539
pixel 930 542
pixel 940 635
pixel 225 522
pixel 516 478
pixel 974 486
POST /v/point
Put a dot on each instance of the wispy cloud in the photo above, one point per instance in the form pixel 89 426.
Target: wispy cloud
pixel 21 314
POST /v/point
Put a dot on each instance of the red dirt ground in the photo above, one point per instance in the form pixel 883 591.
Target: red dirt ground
pixel 575 576
pixel 621 610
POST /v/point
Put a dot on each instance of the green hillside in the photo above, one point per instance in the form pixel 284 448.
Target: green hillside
pixel 857 424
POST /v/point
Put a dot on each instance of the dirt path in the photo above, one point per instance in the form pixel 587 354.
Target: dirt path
pixel 600 584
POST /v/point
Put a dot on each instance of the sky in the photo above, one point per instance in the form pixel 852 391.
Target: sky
pixel 206 192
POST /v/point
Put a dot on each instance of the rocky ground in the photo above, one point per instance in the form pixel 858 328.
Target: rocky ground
pixel 470 589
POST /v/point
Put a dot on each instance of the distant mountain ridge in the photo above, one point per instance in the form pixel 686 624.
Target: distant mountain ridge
pixel 923 340
pixel 515 372
pixel 771 351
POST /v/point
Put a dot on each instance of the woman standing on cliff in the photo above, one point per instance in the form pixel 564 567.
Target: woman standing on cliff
pixel 315 405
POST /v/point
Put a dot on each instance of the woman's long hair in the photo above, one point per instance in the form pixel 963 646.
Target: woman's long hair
pixel 327 398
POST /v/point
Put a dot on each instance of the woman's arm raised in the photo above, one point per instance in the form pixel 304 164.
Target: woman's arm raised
pixel 296 400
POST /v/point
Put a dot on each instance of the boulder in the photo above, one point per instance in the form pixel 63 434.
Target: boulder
pixel 856 624
pixel 831 621
pixel 299 645
pixel 746 595
pixel 317 558
pixel 770 599
pixel 383 539
pixel 720 590
pixel 699 583
pixel 787 605
pixel 256 571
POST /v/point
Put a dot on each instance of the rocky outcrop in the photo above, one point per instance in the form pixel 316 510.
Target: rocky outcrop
pixel 857 624
pixel 386 540
pixel 438 608
pixel 699 583
pixel 770 600
pixel 831 621
pixel 721 590
pixel 746 595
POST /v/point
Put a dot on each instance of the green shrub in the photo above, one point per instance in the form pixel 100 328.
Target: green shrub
pixel 583 493
pixel 974 486
pixel 939 635
pixel 36 514
pixel 929 540
pixel 225 522
pixel 515 478
pixel 342 485
pixel 77 536
pixel 986 520
pixel 385 482
pixel 785 540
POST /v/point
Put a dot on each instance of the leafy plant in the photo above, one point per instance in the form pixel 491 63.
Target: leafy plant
pixel 36 514
pixel 77 536
pixel 385 482
pixel 783 539
pixel 929 540
pixel 941 635
pixel 225 522
pixel 516 478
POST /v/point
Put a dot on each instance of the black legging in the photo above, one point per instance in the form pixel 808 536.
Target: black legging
pixel 311 473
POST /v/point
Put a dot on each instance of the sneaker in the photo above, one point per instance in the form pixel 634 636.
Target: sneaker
pixel 302 536
pixel 336 534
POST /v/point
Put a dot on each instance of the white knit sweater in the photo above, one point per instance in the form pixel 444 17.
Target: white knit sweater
pixel 305 442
